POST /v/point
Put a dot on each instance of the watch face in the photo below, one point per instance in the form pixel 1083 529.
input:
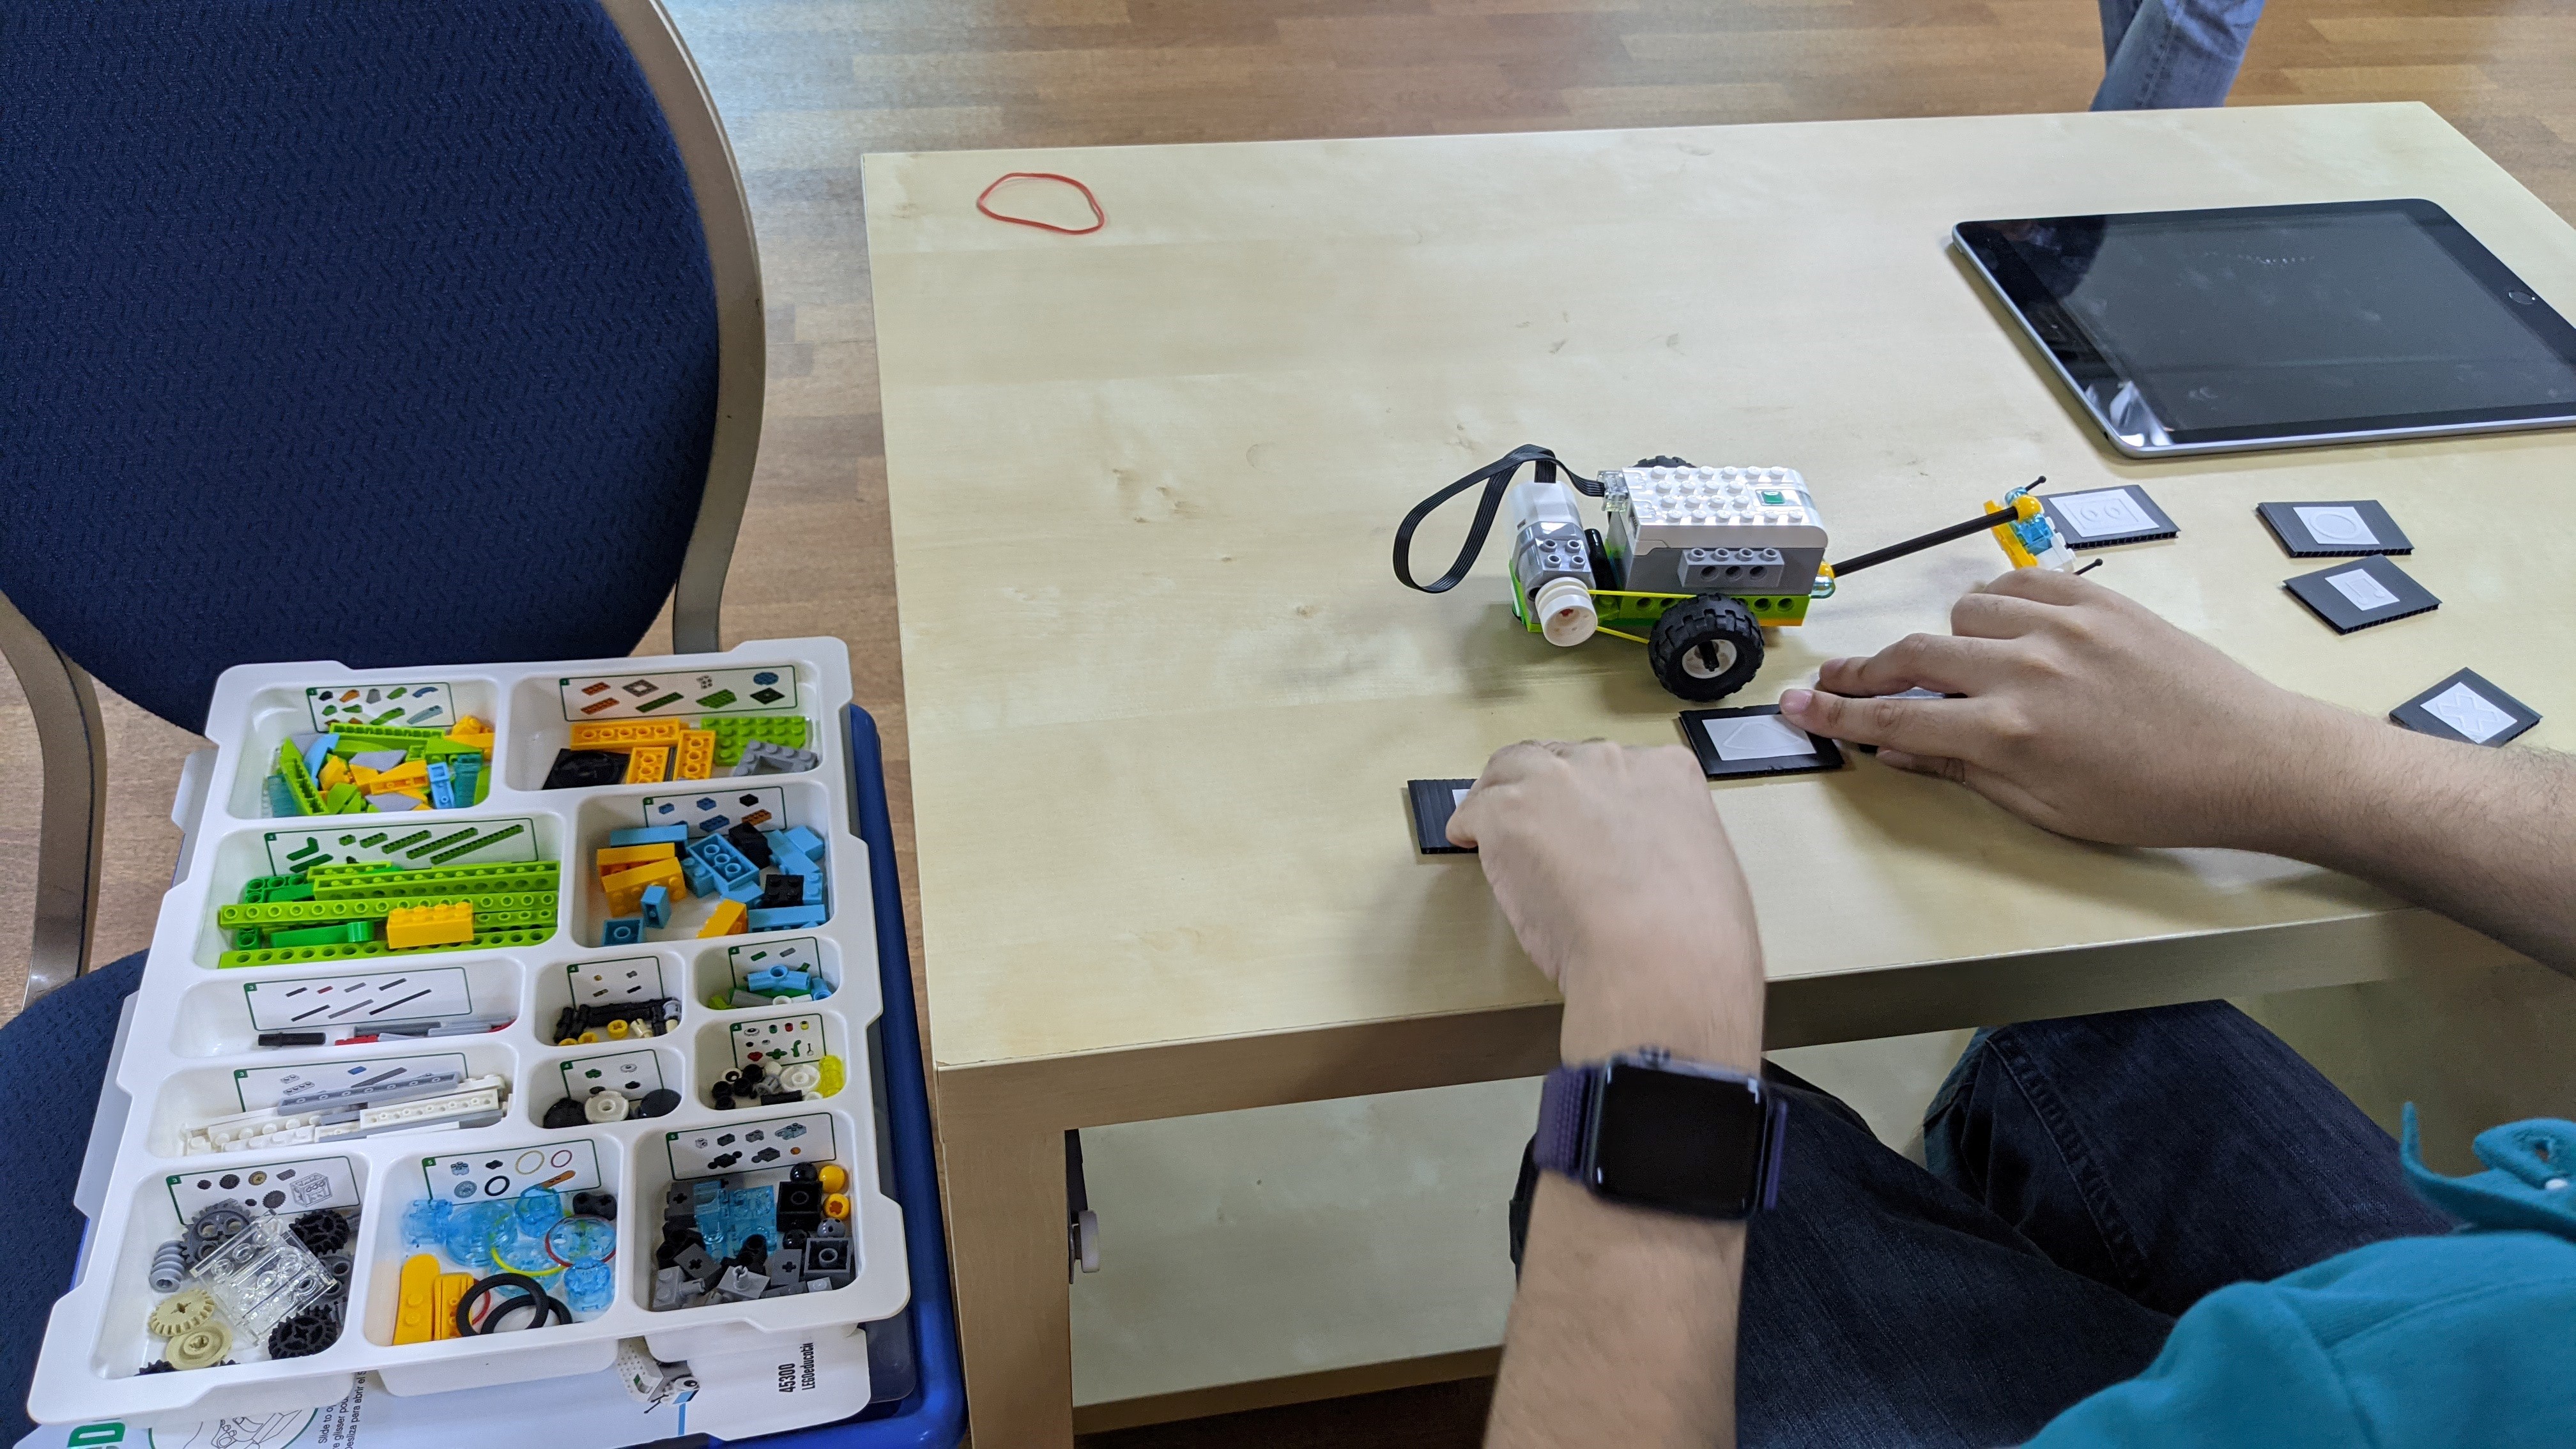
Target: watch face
pixel 1676 1141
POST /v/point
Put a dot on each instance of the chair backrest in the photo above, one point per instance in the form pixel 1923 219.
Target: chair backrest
pixel 378 332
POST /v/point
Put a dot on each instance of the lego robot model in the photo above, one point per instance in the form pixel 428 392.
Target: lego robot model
pixel 1694 563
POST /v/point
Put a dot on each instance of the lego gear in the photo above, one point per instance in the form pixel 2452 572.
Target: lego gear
pixel 182 1314
pixel 169 1267
pixel 1706 648
pixel 308 1332
pixel 212 1227
pixel 157 1366
pixel 201 1347
pixel 322 1232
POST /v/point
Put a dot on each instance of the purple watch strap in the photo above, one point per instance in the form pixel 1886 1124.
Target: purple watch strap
pixel 1560 1117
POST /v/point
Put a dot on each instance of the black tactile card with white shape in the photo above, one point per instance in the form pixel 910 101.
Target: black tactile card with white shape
pixel 2350 529
pixel 2102 517
pixel 1734 744
pixel 2466 707
pixel 2362 593
pixel 1434 801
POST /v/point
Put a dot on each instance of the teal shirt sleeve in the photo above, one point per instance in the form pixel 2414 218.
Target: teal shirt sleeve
pixel 2467 1340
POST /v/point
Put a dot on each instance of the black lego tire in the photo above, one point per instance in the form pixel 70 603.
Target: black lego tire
pixel 1711 621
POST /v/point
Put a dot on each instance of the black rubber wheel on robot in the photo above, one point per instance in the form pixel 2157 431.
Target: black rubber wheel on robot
pixel 1705 649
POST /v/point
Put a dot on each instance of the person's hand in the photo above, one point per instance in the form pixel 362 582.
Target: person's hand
pixel 1611 865
pixel 2085 713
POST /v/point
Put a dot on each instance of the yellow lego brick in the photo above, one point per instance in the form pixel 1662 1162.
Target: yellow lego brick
pixel 626 888
pixel 416 1309
pixel 626 734
pixel 445 923
pixel 729 919
pixel 469 727
pixel 614 858
pixel 451 1291
pixel 697 755
pixel 407 776
pixel 335 771
pixel 646 764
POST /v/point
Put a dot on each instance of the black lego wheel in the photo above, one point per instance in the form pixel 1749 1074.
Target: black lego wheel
pixel 1705 649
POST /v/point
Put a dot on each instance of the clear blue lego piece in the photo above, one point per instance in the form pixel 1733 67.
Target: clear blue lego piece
pixel 468 773
pixel 622 931
pixel 650 835
pixel 424 1224
pixel 281 798
pixel 787 918
pixel 657 906
pixel 587 1288
pixel 470 1229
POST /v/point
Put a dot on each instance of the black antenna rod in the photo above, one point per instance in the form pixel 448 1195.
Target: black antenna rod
pixel 1962 529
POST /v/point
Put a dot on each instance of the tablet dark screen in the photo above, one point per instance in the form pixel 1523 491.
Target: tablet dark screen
pixel 2256 321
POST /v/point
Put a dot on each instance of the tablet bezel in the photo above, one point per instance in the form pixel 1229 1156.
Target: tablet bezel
pixel 2097 386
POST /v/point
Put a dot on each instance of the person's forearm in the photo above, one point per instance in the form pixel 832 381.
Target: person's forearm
pixel 2484 836
pixel 1623 1331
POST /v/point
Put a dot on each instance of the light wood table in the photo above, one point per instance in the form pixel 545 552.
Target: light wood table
pixel 1164 694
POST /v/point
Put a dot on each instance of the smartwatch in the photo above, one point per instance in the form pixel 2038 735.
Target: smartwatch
pixel 1655 1131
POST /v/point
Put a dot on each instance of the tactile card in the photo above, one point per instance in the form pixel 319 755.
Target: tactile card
pixel 472 1176
pixel 759 689
pixel 744 1147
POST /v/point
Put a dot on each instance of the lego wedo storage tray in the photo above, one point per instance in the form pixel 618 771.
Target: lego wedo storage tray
pixel 194 1055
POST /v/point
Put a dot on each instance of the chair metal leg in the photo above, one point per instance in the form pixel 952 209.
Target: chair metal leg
pixel 742 324
pixel 73 820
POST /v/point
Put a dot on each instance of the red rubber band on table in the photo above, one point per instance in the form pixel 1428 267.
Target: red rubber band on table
pixel 1099 218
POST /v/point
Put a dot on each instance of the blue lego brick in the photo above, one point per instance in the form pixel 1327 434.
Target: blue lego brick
pixel 650 835
pixel 778 980
pixel 701 881
pixel 813 889
pixel 657 906
pixel 314 753
pixel 719 856
pixel 442 785
pixel 782 850
pixel 807 843
pixel 467 770
pixel 787 918
pixel 745 890
pixel 622 931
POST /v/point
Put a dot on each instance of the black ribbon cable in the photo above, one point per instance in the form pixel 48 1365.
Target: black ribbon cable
pixel 1497 478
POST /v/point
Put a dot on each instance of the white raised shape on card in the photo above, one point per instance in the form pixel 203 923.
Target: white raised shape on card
pixel 759 689
pixel 2469 712
pixel 2096 515
pixel 405 706
pixel 355 1003
pixel 750 1146
pixel 2364 591
pixel 2337 525
pixel 404 843
pixel 720 806
pixel 474 1176
pixel 1757 737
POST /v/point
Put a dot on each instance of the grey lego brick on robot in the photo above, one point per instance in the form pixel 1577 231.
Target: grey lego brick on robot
pixel 1713 530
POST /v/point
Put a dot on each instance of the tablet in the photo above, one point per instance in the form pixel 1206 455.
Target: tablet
pixel 2280 326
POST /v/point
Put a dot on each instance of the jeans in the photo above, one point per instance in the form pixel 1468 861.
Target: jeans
pixel 2088 1180
pixel 2162 55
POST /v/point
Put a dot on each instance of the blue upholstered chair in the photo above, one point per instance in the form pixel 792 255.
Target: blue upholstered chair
pixel 390 333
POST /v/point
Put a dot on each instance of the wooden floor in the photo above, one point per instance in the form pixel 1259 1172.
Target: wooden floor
pixel 808 86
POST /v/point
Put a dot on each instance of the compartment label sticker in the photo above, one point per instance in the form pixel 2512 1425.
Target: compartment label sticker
pixel 778 1039
pixel 279 1187
pixel 776 1142
pixel 408 845
pixel 474 1176
pixel 615 983
pixel 356 1003
pixel 629 1073
pixel 409 706
pixel 758 689
pixel 319 1084
pixel 713 810
pixel 803 953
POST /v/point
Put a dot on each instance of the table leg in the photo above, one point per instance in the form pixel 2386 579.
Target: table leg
pixel 1006 1245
